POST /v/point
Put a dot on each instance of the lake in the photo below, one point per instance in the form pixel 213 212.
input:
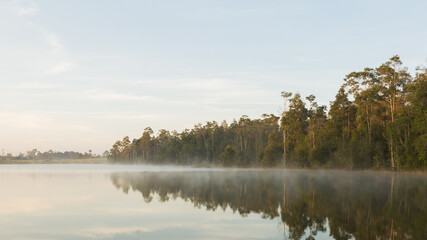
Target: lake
pixel 101 201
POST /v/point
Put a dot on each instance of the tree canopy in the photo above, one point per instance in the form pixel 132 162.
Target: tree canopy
pixel 378 119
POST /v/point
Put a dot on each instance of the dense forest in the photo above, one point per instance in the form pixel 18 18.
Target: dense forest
pixel 377 120
pixel 51 155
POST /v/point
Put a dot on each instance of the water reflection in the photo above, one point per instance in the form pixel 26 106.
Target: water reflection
pixel 349 205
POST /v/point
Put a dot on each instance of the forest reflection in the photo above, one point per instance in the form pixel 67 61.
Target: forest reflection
pixel 350 205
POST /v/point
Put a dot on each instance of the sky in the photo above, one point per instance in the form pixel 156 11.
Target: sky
pixel 78 75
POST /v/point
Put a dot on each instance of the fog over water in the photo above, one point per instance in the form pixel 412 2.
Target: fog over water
pixel 153 202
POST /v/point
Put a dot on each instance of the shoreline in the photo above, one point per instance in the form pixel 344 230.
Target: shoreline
pixel 57 161
pixel 105 161
pixel 379 170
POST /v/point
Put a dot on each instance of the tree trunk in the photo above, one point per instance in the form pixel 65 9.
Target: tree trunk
pixel 393 167
pixel 284 148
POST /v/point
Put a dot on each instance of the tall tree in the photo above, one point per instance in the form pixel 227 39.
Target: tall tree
pixel 286 96
pixel 295 123
pixel 392 78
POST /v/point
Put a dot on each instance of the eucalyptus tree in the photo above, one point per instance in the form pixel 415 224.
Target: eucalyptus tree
pixel 342 114
pixel 145 143
pixel 392 78
pixel 286 96
pixel 295 123
pixel 315 130
pixel 416 154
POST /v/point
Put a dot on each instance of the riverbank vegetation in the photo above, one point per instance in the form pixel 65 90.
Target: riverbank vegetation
pixel 378 119
pixel 96 160
pixel 35 156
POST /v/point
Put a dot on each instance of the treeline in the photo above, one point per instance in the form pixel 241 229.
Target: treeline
pixel 51 155
pixel 377 120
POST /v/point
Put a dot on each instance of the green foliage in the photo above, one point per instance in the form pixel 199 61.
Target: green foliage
pixel 228 156
pixel 273 151
pixel 203 144
pixel 50 155
pixel 377 120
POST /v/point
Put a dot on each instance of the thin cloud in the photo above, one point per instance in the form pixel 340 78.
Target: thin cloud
pixel 25 8
pixel 38 121
pixel 110 95
pixel 131 116
pixel 28 11
pixel 199 92
pixel 63 64
pixel 53 40
pixel 33 85
pixel 60 67
pixel 44 53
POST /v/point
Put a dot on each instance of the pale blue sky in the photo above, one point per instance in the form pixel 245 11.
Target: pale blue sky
pixel 77 75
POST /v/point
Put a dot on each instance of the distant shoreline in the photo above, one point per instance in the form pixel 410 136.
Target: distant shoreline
pixel 105 161
pixel 57 161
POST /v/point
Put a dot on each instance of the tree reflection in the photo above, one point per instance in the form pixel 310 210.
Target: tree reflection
pixel 351 205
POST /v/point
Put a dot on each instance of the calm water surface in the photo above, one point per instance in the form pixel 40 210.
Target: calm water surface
pixel 142 202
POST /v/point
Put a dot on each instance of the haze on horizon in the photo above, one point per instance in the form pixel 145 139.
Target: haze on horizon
pixel 79 75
